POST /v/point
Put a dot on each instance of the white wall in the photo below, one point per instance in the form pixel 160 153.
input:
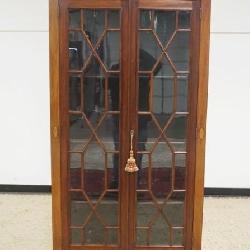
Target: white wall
pixel 228 135
pixel 24 94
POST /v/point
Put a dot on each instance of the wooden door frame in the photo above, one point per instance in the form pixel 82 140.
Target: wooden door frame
pixel 54 41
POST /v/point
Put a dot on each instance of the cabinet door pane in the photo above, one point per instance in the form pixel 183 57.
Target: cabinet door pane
pixel 94 122
pixel 163 80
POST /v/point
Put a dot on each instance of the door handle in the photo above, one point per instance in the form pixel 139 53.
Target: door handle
pixel 131 166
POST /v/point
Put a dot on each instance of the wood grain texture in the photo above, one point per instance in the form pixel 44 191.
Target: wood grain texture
pixel 165 4
pixel 160 248
pixel 95 4
pixel 201 123
pixel 93 248
pixel 192 124
pixel 129 88
pixel 55 124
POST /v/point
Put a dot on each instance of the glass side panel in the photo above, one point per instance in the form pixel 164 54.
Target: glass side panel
pixel 94 126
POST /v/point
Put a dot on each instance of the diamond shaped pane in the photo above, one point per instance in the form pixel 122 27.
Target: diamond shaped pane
pixel 164 25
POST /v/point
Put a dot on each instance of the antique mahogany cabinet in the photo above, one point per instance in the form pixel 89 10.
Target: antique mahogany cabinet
pixel 128 112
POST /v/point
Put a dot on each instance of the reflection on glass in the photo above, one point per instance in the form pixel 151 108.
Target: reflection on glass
pixel 182 94
pixel 175 212
pixel 75 93
pixel 114 19
pixel 163 99
pixel 143 164
pixel 178 236
pixel 161 158
pixel 94 92
pixel 79 50
pixel 112 236
pixel 108 132
pixel 149 51
pixel 94 232
pixel 79 133
pixel 178 51
pixel 147 133
pixel 177 129
pixel 109 50
pixel 79 212
pixel 75 160
pixel 76 236
pixel 142 236
pixel 184 19
pixel 145 19
pixel 113 173
pixel 164 25
pixel 74 19
pixel 164 69
pixel 114 92
pixel 144 92
pixel 94 21
pixel 158 237
pixel 93 157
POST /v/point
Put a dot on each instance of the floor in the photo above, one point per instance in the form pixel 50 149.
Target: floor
pixel 25 223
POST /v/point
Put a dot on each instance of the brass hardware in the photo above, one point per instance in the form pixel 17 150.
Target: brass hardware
pixel 55 132
pixel 131 166
pixel 202 133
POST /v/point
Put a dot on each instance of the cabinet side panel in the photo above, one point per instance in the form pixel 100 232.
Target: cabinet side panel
pixel 201 123
pixel 54 122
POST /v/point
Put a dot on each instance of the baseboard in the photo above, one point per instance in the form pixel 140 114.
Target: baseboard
pixel 227 191
pixel 25 188
pixel 47 189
